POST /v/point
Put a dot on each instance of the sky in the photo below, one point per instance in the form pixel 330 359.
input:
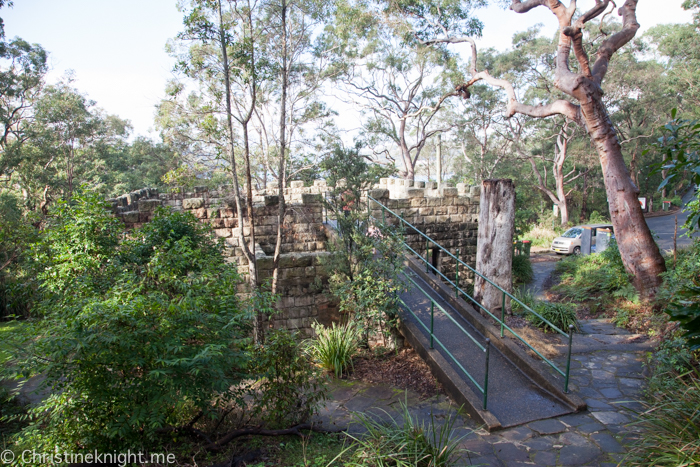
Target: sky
pixel 116 48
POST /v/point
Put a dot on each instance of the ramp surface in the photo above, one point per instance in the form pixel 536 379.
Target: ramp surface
pixel 513 398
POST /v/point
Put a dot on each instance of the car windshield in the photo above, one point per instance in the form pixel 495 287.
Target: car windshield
pixel 573 232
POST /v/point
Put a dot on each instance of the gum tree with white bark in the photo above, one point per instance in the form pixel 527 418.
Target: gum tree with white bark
pixel 581 83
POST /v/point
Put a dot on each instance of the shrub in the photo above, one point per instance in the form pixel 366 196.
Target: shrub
pixel 334 347
pixel 404 442
pixel 522 270
pixel 559 314
pixel 290 387
pixel 134 339
pixel 584 277
pixel 670 419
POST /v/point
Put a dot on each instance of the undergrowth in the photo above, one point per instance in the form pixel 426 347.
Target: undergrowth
pixel 670 419
pixel 560 315
pixel 522 270
pixel 587 277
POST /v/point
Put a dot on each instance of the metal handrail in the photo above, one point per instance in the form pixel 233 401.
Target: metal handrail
pixel 486 349
pixel 565 373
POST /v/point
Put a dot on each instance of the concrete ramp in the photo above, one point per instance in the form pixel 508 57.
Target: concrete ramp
pixel 519 389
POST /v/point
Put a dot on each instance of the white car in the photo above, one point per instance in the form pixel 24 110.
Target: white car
pixel 570 242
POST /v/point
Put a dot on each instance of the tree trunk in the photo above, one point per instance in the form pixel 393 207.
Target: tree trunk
pixel 281 209
pixel 584 198
pixel 640 254
pixel 494 253
pixel 438 161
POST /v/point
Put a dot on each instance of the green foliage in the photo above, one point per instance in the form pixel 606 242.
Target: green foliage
pixel 686 311
pixel 670 420
pixel 522 270
pixel 675 201
pixel 135 337
pixel 559 314
pixel 364 264
pixel 80 239
pixel 590 276
pixel 404 441
pixel 17 235
pixel 334 347
pixel 290 387
pixel 680 149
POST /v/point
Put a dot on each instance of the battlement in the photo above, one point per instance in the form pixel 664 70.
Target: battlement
pixel 447 214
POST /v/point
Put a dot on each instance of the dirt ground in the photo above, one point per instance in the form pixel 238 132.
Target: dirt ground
pixel 404 370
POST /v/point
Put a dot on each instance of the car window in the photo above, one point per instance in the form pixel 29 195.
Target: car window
pixel 573 232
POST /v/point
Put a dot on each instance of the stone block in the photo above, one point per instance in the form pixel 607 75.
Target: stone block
pixel 271 200
pixel 448 192
pixel 149 205
pixel 213 213
pixel 415 193
pixel 130 217
pixel 193 203
pixel 224 233
pixel 297 184
pixel 308 198
pixel 200 213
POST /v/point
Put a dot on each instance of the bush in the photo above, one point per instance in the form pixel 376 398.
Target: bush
pixel 404 442
pixel 334 347
pixel 136 337
pixel 559 314
pixel 670 420
pixel 522 270
pixel 290 387
pixel 585 277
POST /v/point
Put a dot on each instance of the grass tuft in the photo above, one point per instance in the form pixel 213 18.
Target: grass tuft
pixel 334 347
pixel 404 442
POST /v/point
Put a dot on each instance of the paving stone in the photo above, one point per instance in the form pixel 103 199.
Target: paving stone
pixel 602 375
pixel 578 455
pixel 510 452
pixel 548 427
pixel 520 433
pixel 589 392
pixel 594 404
pixel 360 403
pixel 590 427
pixel 607 443
pixel 611 418
pixel 478 447
pixel 540 444
pixel 545 458
pixel 379 392
pixel 485 462
pixel 611 393
pixel 573 439
pixel 631 382
pixel 576 419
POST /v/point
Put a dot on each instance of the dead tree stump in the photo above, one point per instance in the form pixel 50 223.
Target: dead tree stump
pixel 494 250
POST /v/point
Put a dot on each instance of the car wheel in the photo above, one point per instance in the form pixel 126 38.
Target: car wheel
pixel 577 250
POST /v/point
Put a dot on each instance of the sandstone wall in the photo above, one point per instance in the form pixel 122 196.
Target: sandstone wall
pixel 448 214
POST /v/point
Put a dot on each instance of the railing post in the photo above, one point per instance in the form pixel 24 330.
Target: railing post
pixel 486 373
pixel 427 256
pixel 457 277
pixel 503 312
pixel 432 315
pixel 568 359
pixel 383 215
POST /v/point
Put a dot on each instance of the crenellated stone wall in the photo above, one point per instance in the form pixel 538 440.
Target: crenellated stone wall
pixel 447 214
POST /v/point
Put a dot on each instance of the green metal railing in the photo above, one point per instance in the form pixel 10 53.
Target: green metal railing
pixel 483 388
pixel 459 291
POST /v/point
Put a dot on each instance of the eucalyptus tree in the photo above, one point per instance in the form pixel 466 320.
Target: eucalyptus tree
pixel 23 67
pixel 399 84
pixel 583 103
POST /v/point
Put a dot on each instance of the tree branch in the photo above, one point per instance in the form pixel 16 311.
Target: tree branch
pixel 617 40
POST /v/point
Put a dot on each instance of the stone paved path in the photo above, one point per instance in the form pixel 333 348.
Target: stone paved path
pixel 607 371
